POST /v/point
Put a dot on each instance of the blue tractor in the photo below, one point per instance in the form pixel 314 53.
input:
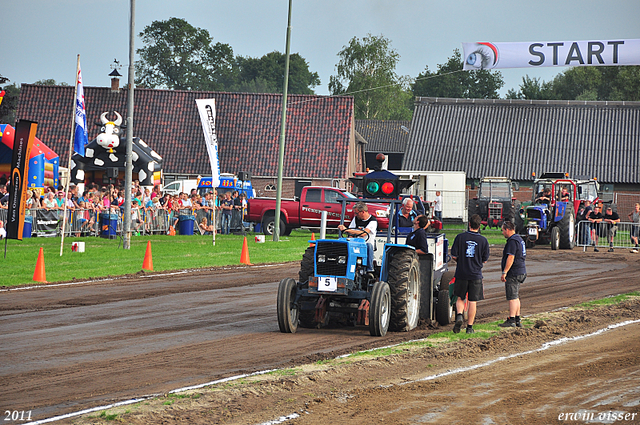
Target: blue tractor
pixel 333 284
pixel 551 217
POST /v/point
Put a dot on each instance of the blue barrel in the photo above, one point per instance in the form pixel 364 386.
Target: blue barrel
pixel 28 226
pixel 108 225
pixel 185 224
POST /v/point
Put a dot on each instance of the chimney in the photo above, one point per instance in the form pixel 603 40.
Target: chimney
pixel 115 80
pixel 115 76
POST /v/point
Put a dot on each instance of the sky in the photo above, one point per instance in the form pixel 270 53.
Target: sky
pixel 40 39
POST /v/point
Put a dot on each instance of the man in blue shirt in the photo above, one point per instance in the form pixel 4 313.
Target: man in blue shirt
pixel 513 272
pixel 470 250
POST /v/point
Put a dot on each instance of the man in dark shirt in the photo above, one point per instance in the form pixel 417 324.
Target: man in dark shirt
pixel 418 237
pixel 610 222
pixel 595 217
pixel 513 272
pixel 470 250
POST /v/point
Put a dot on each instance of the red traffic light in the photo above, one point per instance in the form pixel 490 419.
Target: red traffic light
pixel 388 188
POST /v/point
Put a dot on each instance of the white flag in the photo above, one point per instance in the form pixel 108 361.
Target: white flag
pixel 207 111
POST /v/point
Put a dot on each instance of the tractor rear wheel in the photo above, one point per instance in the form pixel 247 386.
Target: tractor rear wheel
pixel 287 310
pixel 306 265
pixel 379 310
pixel 404 283
pixel 567 228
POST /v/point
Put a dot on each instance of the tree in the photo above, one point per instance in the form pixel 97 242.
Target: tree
pixel 179 56
pixel 450 80
pixel 366 71
pixel 584 83
pixel 266 74
pixel 9 104
pixel 50 82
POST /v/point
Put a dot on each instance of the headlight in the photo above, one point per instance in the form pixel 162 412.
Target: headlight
pixel 321 258
pixel 359 261
pixel 382 213
pixel 342 259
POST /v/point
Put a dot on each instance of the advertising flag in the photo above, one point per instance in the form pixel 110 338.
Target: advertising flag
pixel 616 52
pixel 22 143
pixel 207 111
pixel 80 137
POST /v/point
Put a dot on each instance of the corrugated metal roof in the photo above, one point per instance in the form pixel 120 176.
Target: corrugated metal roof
pixel 247 125
pixel 514 138
pixel 384 136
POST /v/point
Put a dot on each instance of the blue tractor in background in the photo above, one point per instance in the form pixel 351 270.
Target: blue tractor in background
pixel 333 284
pixel 552 219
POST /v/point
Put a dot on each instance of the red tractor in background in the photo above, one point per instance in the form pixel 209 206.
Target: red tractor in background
pixel 495 203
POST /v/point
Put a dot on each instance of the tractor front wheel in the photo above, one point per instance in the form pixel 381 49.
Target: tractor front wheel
pixel 380 309
pixel 555 238
pixel 286 308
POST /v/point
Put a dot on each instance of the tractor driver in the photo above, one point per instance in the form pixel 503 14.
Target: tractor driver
pixel 363 225
pixel 564 195
pixel 544 197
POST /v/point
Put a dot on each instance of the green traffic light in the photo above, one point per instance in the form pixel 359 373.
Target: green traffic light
pixel 373 187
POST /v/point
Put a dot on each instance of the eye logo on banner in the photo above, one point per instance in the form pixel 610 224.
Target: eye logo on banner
pixel 485 56
pixel 544 54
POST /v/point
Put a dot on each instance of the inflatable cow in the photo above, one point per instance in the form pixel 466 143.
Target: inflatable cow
pixel 108 150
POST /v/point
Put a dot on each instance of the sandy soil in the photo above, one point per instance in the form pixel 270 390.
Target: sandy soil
pixel 511 378
pixel 67 348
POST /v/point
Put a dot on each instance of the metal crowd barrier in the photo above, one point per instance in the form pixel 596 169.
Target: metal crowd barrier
pixel 597 235
pixel 88 222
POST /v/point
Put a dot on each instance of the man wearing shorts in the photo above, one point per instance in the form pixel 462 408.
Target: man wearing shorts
pixel 513 272
pixel 470 250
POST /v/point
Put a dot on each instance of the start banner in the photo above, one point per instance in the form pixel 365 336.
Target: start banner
pixel 483 55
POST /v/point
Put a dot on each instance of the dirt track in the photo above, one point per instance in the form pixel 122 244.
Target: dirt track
pixel 73 347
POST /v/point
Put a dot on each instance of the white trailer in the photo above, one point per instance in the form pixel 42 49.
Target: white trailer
pixel 451 184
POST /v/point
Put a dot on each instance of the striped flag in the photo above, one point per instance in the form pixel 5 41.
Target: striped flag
pixel 80 137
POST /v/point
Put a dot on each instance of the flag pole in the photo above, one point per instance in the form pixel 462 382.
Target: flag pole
pixel 71 141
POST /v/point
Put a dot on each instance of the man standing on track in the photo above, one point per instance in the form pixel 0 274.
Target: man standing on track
pixel 470 250
pixel 513 272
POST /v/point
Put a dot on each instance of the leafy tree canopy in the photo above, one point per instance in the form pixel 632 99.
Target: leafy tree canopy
pixel 266 74
pixel 584 83
pixel 178 56
pixel 9 103
pixel 367 71
pixel 450 80
pixel 50 82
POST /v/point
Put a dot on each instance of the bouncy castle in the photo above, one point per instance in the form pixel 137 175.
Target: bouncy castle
pixel 43 163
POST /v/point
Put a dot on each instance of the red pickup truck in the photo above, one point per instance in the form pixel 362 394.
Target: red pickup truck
pixel 306 212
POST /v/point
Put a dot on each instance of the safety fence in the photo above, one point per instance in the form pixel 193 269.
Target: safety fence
pixel 108 223
pixel 623 235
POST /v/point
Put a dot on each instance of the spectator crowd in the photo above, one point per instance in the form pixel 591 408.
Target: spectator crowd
pixel 151 210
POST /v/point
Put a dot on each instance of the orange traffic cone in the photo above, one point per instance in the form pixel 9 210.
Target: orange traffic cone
pixel 244 257
pixel 313 238
pixel 39 274
pixel 147 264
